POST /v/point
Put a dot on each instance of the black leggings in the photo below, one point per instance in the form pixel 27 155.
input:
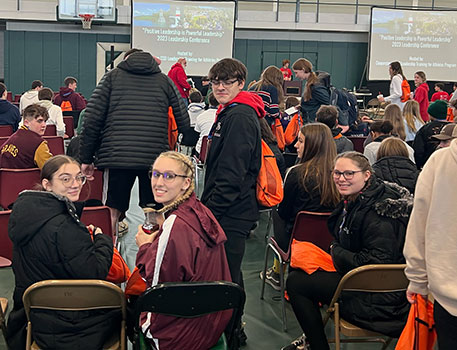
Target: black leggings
pixel 446 328
pixel 305 292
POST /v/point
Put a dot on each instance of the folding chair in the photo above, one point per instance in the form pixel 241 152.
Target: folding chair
pixel 51 130
pixel 76 295
pixel 358 141
pixel 309 227
pixel 69 126
pixel 14 181
pixel 93 189
pixel 98 216
pixel 6 130
pixel 371 279
pixel 6 246
pixel 55 144
pixel 373 108
pixel 189 300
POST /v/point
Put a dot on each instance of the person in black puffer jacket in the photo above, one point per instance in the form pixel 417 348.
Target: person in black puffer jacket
pixel 369 227
pixel 50 242
pixel 393 164
pixel 126 127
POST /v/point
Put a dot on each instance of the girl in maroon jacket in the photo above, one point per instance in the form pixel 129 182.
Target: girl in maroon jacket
pixel 189 246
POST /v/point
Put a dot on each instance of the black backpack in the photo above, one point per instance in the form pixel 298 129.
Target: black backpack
pixel 346 103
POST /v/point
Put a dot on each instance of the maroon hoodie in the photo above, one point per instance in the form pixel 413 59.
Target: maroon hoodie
pixel 190 247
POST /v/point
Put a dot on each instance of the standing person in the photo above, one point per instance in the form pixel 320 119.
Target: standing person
pixel 68 99
pixel 269 88
pixel 9 113
pixel 30 97
pixel 369 227
pixel 315 95
pixel 412 120
pixel 205 86
pixel 439 94
pixel 177 73
pixel 395 90
pixel 45 96
pixel 126 126
pixel 52 243
pixel 431 241
pixel 421 94
pixel 287 73
pixel 188 246
pixel 424 144
pixel 26 148
pixel 234 159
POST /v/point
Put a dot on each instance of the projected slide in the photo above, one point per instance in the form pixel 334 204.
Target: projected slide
pixel 419 40
pixel 202 32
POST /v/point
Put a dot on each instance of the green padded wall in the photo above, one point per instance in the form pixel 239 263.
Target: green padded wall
pixel 51 56
pixel 344 61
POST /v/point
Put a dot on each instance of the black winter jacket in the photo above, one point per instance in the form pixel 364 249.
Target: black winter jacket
pixel 424 144
pixel 53 244
pixel 371 230
pixel 233 164
pixel 320 95
pixel 397 169
pixel 126 120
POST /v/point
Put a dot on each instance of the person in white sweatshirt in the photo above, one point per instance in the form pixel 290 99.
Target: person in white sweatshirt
pixel 30 97
pixel 45 96
pixel 431 242
pixel 395 91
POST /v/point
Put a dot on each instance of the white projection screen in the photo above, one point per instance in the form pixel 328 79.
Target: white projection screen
pixel 420 40
pixel 200 31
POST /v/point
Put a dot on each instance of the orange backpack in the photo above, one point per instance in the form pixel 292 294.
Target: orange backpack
pixel 172 130
pixel 278 131
pixel 293 129
pixel 269 189
pixel 66 106
pixel 405 91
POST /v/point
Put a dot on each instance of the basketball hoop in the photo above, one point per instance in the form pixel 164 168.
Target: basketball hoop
pixel 86 20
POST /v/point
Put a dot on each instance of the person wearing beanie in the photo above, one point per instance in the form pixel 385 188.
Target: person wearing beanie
pixel 424 144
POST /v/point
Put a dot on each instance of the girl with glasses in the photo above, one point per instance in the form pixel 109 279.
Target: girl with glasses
pixel 188 246
pixel 369 227
pixel 50 242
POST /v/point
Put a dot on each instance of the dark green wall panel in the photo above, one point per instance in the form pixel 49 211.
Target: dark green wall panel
pixel 52 76
pixel 33 58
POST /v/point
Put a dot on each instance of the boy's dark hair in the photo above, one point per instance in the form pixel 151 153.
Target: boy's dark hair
pixel 34 111
pixel 2 89
pixel 212 100
pixel 205 78
pixel 284 62
pixel 327 115
pixel 69 80
pixel 292 101
pixel 45 94
pixel 383 126
pixel 132 50
pixel 228 68
pixel 196 97
pixel 440 85
pixel 36 83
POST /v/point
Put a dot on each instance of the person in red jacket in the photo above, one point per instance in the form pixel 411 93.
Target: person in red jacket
pixel 421 94
pixel 440 94
pixel 179 77
pixel 188 247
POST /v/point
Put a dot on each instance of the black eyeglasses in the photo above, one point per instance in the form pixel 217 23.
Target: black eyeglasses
pixel 168 176
pixel 225 83
pixel 348 174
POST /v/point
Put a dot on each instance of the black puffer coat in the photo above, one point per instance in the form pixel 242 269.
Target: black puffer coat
pixel 371 230
pixel 397 169
pixel 126 120
pixel 52 243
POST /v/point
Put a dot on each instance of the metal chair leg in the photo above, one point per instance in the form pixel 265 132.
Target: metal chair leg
pixel 270 222
pixel 283 299
pixel 267 249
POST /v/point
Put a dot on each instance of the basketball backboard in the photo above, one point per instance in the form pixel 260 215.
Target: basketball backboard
pixel 103 10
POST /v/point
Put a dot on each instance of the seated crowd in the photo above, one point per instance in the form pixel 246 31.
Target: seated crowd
pixel 370 196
